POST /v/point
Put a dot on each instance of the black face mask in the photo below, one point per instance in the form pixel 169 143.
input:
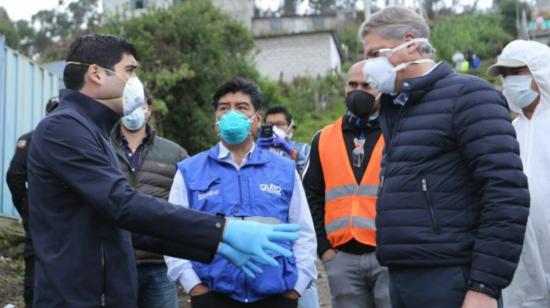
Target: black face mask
pixel 360 103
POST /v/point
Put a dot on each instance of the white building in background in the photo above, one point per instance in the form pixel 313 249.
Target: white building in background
pixel 288 47
pixel 286 56
pixel 114 6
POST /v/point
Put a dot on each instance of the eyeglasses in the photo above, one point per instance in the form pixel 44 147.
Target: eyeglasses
pixel 279 124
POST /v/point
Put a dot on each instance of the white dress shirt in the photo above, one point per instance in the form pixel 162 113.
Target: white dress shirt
pixel 304 247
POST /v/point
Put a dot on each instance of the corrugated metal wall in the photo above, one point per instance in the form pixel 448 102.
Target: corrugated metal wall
pixel 25 87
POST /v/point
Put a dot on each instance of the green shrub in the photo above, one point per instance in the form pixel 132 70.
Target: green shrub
pixel 481 32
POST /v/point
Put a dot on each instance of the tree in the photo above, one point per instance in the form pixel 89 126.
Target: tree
pixel 8 30
pixel 322 6
pixel 290 7
pixel 511 12
pixel 57 29
pixel 185 53
pixel 481 32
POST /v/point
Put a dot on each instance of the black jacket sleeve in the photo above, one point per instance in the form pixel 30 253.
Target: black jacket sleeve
pixel 16 176
pixel 169 248
pixel 488 145
pixel 83 162
pixel 314 186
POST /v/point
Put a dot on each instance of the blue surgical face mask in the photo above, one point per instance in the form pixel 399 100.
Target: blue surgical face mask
pixel 135 120
pixel 517 90
pixel 234 127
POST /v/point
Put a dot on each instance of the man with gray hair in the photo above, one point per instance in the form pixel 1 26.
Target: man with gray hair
pixel 453 200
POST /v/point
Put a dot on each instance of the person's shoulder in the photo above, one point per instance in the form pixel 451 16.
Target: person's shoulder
pixel 276 159
pixel 470 83
pixel 195 159
pixel 168 144
pixel 63 124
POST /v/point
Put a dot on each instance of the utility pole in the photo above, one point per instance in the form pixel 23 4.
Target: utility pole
pixel 366 4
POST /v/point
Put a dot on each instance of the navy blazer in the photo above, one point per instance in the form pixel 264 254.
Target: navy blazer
pixel 82 209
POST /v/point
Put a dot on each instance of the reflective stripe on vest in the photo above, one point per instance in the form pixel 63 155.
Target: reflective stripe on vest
pixel 346 190
pixel 350 209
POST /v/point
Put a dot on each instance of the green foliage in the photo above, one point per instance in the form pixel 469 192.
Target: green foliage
pixel 350 43
pixel 8 30
pixel 56 29
pixel 481 32
pixel 313 102
pixel 186 52
pixel 511 11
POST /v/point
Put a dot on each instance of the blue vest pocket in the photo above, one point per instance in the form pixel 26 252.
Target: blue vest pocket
pixel 277 279
pixel 206 195
pixel 223 276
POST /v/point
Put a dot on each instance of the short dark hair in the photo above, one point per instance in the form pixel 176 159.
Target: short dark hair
pixel 239 84
pixel 52 104
pixel 279 109
pixel 148 97
pixel 103 50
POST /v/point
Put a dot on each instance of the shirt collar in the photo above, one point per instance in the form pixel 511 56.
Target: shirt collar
pixel 225 154
pixel 402 98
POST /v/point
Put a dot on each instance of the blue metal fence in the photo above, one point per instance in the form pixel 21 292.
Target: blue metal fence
pixel 25 87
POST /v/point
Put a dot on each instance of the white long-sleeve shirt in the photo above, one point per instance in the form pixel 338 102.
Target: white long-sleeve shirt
pixel 304 247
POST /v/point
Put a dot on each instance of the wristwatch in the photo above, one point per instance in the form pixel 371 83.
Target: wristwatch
pixel 483 288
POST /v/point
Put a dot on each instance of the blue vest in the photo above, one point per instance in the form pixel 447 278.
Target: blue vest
pixel 262 187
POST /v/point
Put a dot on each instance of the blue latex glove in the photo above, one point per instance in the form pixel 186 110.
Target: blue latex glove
pixel 283 144
pixel 241 260
pixel 265 142
pixel 255 239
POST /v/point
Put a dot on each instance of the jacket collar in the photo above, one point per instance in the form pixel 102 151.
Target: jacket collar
pixel 257 156
pixel 102 116
pixel 417 87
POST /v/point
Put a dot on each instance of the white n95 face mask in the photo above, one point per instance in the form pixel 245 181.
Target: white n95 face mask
pixel 517 90
pixel 381 74
pixel 133 95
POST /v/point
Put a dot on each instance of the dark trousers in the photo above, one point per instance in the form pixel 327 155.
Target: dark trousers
pixel 213 299
pixel 28 280
pixel 434 287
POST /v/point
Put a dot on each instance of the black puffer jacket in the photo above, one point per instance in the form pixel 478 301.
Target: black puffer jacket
pixel 453 191
pixel 154 176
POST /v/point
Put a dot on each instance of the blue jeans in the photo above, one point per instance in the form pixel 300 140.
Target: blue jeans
pixel 155 289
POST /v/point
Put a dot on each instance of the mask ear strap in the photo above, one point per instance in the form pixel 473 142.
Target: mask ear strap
pixel 402 66
pixel 409 43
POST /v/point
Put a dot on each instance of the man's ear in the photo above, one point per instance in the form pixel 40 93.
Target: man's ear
pixel 260 118
pixel 95 74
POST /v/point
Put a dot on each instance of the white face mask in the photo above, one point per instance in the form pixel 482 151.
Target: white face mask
pixel 133 95
pixel 381 74
pixel 517 90
pixel 279 132
pixel 135 120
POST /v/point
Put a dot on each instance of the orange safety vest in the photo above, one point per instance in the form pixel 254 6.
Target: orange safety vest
pixel 350 209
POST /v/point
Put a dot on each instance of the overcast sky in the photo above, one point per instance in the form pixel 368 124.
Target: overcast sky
pixel 24 9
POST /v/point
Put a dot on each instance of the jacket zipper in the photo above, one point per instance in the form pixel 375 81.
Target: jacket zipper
pixel 240 188
pixel 103 271
pixel 435 222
